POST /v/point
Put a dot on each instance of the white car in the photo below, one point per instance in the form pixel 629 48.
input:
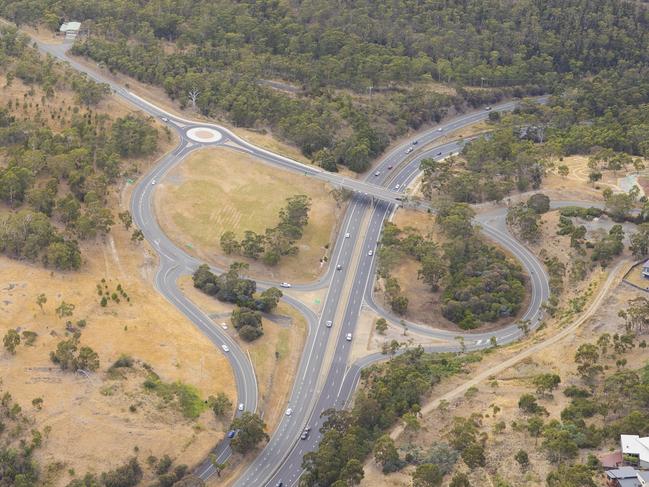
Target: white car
pixel 224 326
pixel 371 252
pixel 225 348
pixel 348 337
pixel 347 235
pixel 153 182
pixel 397 186
pixel 240 406
pixel 285 284
pixel 328 323
pixel 440 129
pixel 377 173
pixel 164 119
pixel 487 108
pixel 289 411
pixel 409 150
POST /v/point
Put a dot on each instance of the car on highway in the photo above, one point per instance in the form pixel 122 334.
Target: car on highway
pixel 224 326
pixel 153 182
pixel 348 337
pixel 279 484
pixel 164 119
pixel 415 142
pixel 439 153
pixel 289 411
pixel 487 108
pixel 371 252
pixel 232 434
pixel 440 129
pixel 409 150
pixel 347 235
pixel 339 267
pixel 328 323
pixel 397 186
pixel 225 348
pixel 285 284
pixel 377 173
pixel 390 167
pixel 240 406
pixel 304 435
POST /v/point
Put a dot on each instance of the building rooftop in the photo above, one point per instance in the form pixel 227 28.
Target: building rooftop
pixel 622 473
pixel 634 445
pixel 70 26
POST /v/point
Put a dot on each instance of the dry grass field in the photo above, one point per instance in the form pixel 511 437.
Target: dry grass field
pixel 92 426
pixel 217 190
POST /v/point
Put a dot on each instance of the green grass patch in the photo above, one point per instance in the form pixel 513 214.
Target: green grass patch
pixel 184 397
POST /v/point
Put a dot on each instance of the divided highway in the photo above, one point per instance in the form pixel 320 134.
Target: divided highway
pixel 324 378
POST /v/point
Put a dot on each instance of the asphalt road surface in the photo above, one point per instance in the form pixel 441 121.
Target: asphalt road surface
pixel 322 380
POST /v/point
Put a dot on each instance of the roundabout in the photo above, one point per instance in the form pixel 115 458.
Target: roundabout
pixel 204 135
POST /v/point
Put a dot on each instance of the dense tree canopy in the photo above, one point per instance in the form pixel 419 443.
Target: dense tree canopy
pixel 55 182
pixel 227 57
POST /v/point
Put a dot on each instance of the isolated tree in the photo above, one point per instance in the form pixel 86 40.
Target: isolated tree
pixel 522 458
pixel 473 455
pixel 528 404
pixel 137 235
pixel 126 218
pixel 381 326
pixel 41 299
pixel 546 383
pixel 571 476
pixel 460 480
pixel 11 340
pixel 218 467
pixel 399 304
pixel 229 243
pixel 587 357
pixel 563 170
pixel 64 309
pixel 524 326
pixel 639 241
pixel 427 475
pixel 220 404
pixel 433 269
pixel 594 176
pixel 87 359
pixel 251 431
pixel 37 402
pixel 539 202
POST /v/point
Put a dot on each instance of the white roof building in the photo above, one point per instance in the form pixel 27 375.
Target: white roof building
pixel 636 446
pixel 70 27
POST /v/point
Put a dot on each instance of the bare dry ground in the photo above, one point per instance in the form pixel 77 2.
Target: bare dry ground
pixel 217 190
